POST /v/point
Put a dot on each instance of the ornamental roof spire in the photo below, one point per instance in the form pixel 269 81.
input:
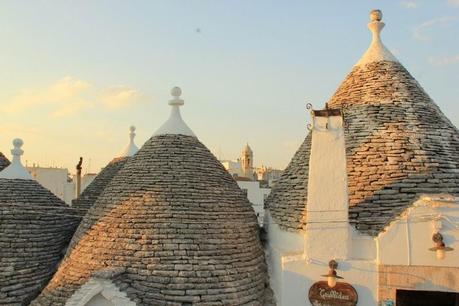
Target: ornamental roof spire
pixel 131 148
pixel 247 148
pixel 16 170
pixel 377 51
pixel 175 123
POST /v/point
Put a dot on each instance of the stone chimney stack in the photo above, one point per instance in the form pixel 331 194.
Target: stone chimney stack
pixel 78 177
pixel 327 226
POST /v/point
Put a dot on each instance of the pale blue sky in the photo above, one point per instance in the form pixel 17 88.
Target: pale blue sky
pixel 76 74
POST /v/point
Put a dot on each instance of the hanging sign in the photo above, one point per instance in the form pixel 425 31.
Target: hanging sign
pixel 343 294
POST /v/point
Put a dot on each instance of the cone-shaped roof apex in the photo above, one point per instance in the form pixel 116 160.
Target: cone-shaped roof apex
pixel 175 123
pixel 16 170
pixel 377 51
pixel 131 147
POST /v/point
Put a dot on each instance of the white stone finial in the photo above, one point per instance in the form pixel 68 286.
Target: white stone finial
pixel 16 170
pixel 376 15
pixel 131 148
pixel 175 123
pixel 176 92
pixel 377 51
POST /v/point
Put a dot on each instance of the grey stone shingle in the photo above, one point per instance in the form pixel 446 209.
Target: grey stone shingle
pixel 177 224
pixel 89 196
pixel 398 146
pixel 4 162
pixel 35 228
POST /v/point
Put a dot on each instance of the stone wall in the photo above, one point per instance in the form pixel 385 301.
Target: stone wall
pixel 426 278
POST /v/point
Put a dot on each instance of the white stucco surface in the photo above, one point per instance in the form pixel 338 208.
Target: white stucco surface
pixel 256 196
pixel 327 226
pixel 292 274
pixel 131 147
pixel 99 300
pixel 376 51
pixel 297 260
pixel 282 246
pixel 99 292
pixel 54 179
pixel 300 275
pixel 16 170
pixel 175 123
pixel 407 240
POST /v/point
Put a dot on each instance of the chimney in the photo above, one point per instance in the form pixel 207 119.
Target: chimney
pixel 78 177
pixel 327 226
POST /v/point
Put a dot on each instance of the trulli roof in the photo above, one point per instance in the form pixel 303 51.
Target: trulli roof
pixel 398 145
pixel 35 229
pixel 176 225
pixel 4 162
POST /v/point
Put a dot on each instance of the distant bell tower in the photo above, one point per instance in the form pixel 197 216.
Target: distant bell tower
pixel 247 161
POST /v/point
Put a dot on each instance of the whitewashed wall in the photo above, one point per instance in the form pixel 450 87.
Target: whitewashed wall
pixel 292 273
pixel 407 240
pixel 256 195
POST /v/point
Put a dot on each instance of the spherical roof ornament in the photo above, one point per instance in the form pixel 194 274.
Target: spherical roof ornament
pixel 16 170
pixel 176 92
pixel 376 15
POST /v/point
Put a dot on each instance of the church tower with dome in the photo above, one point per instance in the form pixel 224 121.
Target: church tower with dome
pixel 246 161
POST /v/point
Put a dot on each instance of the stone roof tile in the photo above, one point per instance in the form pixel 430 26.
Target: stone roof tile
pixel 398 146
pixel 177 224
pixel 4 162
pixel 35 229
pixel 90 194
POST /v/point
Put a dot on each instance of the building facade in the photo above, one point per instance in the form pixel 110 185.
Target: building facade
pixel 370 196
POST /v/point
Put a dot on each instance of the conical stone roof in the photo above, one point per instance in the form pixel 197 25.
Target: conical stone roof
pixel 176 227
pixel 4 162
pixel 398 146
pixel 35 229
pixel 90 194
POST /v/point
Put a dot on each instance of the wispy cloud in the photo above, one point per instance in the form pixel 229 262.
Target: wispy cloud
pixel 69 96
pixel 453 2
pixel 116 97
pixel 419 32
pixel 18 129
pixel 444 60
pixel 72 108
pixel 409 4
pixel 62 91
